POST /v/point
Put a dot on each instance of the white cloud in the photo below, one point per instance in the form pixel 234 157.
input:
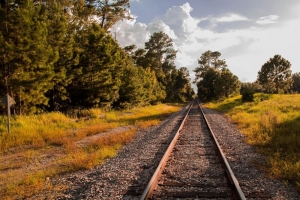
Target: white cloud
pixel 271 19
pixel 159 25
pixel 178 18
pixel 132 32
pixel 231 18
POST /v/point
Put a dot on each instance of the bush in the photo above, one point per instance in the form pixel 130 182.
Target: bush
pixel 248 97
pixel 247 94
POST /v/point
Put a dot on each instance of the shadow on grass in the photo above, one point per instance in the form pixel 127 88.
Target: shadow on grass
pixel 286 139
pixel 230 105
pixel 283 149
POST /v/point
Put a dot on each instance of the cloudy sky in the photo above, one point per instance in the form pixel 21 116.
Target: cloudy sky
pixel 246 32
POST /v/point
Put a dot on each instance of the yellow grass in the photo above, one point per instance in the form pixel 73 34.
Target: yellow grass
pixel 34 139
pixel 271 123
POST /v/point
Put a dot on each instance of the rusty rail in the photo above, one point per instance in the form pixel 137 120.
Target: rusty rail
pixel 229 172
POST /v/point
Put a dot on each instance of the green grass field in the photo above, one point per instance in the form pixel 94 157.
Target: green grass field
pixel 272 124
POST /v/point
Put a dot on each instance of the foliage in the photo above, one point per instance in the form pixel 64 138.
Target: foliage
pixel 296 83
pixel 206 85
pixel 275 75
pixel 160 49
pixel 61 38
pixel 134 89
pixel 214 80
pixel 59 56
pixel 109 12
pixel 160 55
pixel 100 65
pixel 225 83
pixel 271 124
pixel 208 60
pixel 170 84
pixel 27 59
pixel 178 86
pixel 247 91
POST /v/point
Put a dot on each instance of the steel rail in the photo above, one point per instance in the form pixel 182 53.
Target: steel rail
pixel 147 193
pixel 229 172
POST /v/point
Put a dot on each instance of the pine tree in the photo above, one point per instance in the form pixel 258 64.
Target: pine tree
pixel 28 63
pixel 110 11
pixel 100 65
pixel 205 86
pixel 61 39
pixel 133 90
pixel 275 75
pixel 208 60
pixel 184 91
pixel 160 55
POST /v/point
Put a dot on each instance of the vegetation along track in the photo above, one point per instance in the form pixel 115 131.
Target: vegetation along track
pixel 194 165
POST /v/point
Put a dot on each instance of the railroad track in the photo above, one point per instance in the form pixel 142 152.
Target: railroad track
pixel 193 165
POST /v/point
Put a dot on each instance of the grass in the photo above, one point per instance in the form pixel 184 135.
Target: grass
pixel 272 124
pixel 40 147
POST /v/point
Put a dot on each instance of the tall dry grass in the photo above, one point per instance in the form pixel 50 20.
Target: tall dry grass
pixel 56 136
pixel 272 124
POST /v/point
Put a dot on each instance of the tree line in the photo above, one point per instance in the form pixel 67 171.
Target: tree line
pixel 274 77
pixel 57 55
pixel 214 81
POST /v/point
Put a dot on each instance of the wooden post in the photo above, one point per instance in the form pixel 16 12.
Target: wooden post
pixel 8 101
pixel 8 113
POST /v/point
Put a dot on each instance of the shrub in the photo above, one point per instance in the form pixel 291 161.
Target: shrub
pixel 247 94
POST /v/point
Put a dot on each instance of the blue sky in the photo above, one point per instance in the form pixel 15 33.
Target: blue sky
pixel 246 32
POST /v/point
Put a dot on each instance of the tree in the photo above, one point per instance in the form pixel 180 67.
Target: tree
pixel 205 86
pixel 214 80
pixel 247 91
pixel 100 66
pixel 208 60
pixel 178 86
pixel 130 49
pixel 160 55
pixel 296 82
pixel 183 88
pixel 27 58
pixel 139 57
pixel 225 83
pixel 134 89
pixel 275 75
pixel 110 11
pixel 61 38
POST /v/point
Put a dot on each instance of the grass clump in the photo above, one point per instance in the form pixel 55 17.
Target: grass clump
pixel 271 123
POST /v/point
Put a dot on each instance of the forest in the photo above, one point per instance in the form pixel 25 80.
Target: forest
pixel 60 55
pixel 63 55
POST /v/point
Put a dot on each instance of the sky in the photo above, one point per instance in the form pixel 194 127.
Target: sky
pixel 246 32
